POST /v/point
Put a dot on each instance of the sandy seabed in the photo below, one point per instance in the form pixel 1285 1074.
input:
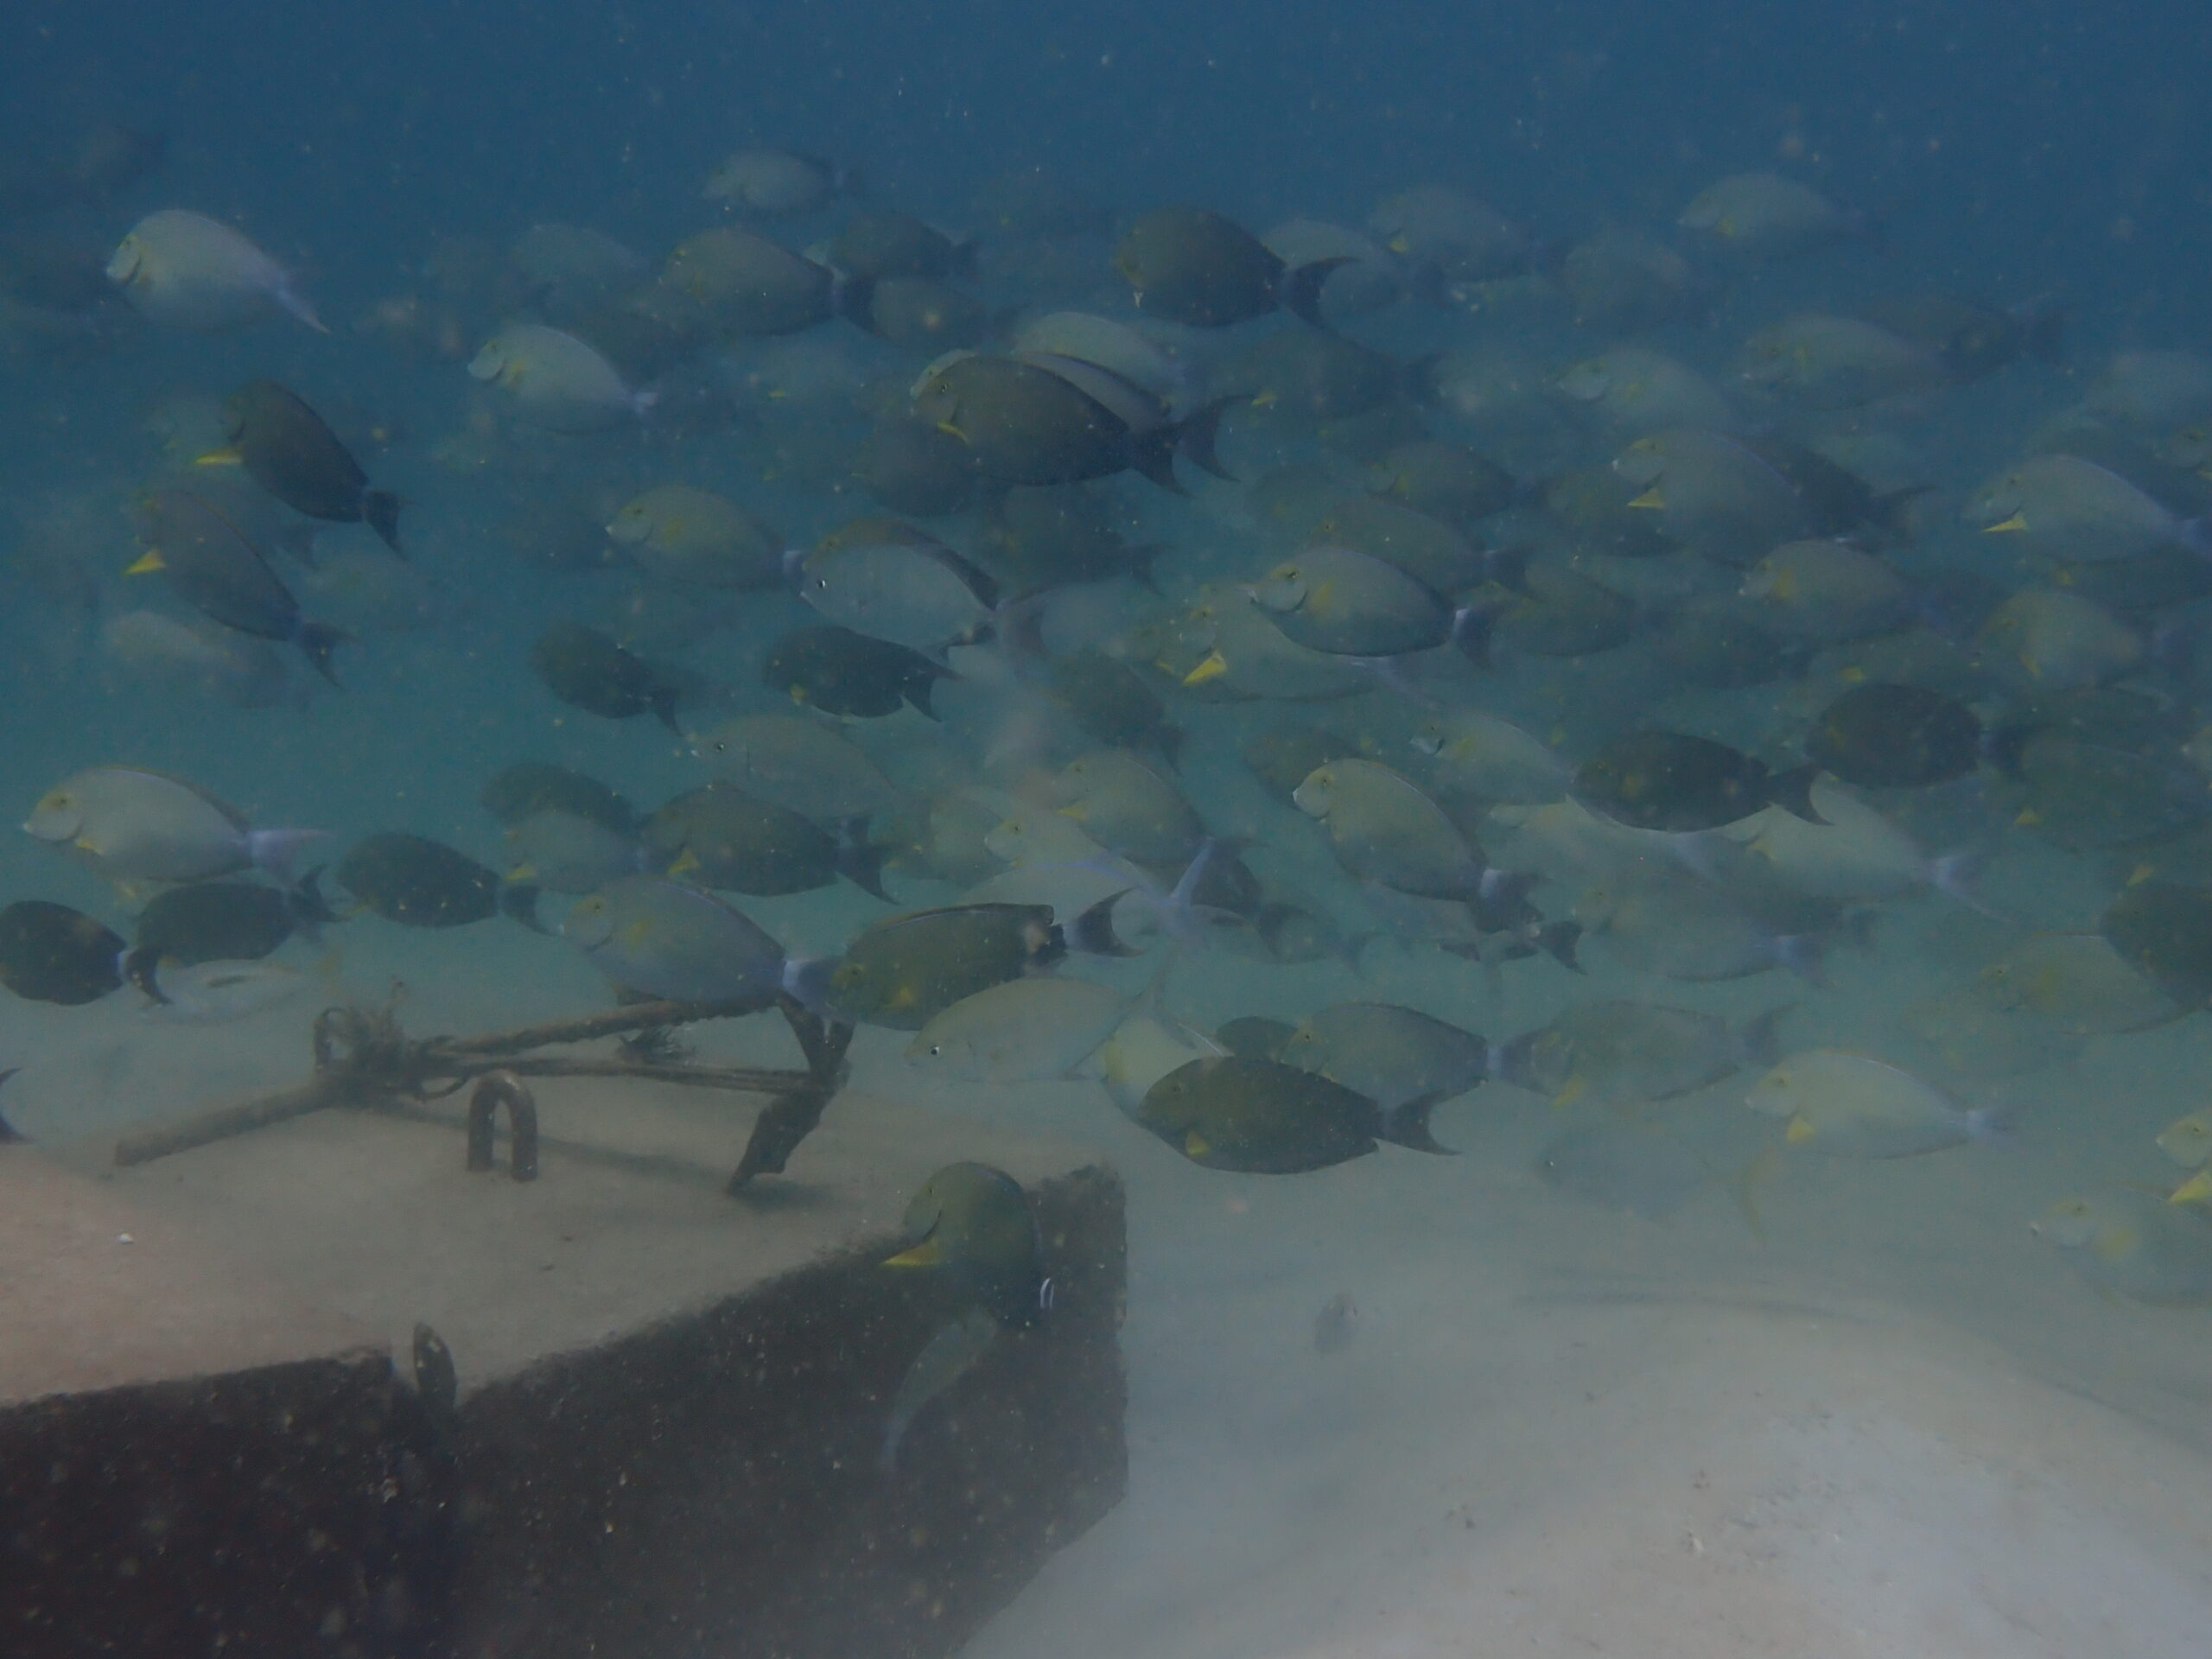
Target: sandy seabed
pixel 1885 1421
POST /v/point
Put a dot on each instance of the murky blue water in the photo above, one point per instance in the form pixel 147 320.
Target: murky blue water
pixel 2035 152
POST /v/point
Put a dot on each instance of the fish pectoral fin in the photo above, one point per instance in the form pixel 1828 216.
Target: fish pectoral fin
pixel 927 1253
pixel 686 861
pixel 2016 522
pixel 146 563
pixel 1212 667
pixel 1799 1130
pixel 1652 500
pixel 226 456
pixel 2115 1244
pixel 1196 1144
pixel 1576 1086
pixel 2195 1190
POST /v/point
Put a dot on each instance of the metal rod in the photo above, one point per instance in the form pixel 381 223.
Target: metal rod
pixel 363 1058
pixel 222 1123
pixel 633 1016
pixel 744 1079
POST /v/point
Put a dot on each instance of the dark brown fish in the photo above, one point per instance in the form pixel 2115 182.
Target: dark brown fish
pixel 288 450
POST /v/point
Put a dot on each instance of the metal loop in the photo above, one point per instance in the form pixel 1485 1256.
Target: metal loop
pixel 495 1089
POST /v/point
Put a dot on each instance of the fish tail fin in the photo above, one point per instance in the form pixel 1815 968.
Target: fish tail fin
pixel 1803 955
pixel 380 509
pixel 9 1135
pixel 806 981
pixel 1299 288
pixel 1407 1126
pixel 1092 932
pixel 663 701
pixel 1355 949
pixel 273 851
pixel 1392 675
pixel 319 641
pixel 519 903
pixel 853 298
pixel 1988 1126
pixel 1507 567
pixel 309 910
pixel 1472 627
pixel 859 860
pixel 1991 1124
pixel 1558 941
pixel 1510 1061
pixel 1195 434
pixel 1892 510
pixel 918 696
pixel 141 966
pixel 294 303
pixel 1958 875
pixel 1427 284
pixel 1792 790
pixel 1019 627
pixel 1417 382
pixel 1184 895
pixel 1760 1042
pixel 1154 456
pixel 1504 890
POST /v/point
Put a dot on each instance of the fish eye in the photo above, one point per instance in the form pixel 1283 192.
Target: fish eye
pixel 935 1049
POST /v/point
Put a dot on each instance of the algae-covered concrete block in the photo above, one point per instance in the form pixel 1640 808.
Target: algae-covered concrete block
pixel 193 1457
pixel 672 1403
pixel 712 1485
